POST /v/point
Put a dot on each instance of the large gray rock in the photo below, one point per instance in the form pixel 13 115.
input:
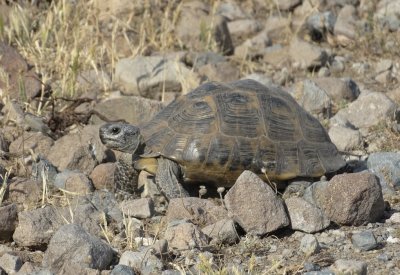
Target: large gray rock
pixel 255 206
pixel 18 72
pixel 349 267
pixel 243 28
pixel 386 165
pixel 78 151
pixel 306 55
pixel 183 235
pixel 319 24
pixel 38 142
pixel 364 240
pixel 36 227
pixel 24 191
pixel 74 181
pixel 253 47
pixel 199 211
pixel 138 208
pixel 8 221
pixel 198 29
pixel 143 261
pixel 345 27
pixel 313 99
pixel 305 216
pixel 221 72
pixel 222 232
pixel 132 109
pixel 286 5
pixel 345 138
pixel 103 176
pixel 276 55
pixel 309 244
pixel 338 89
pixel 10 263
pixel 369 110
pixel 231 10
pixel 359 194
pixel 148 76
pixel 71 244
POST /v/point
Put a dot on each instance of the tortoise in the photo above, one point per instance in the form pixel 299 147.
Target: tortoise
pixel 217 131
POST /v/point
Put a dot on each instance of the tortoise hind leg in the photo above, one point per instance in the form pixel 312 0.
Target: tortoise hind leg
pixel 168 179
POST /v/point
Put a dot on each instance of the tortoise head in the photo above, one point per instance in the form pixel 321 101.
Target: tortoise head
pixel 122 137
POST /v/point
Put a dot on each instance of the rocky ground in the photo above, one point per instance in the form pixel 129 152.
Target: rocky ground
pixel 66 67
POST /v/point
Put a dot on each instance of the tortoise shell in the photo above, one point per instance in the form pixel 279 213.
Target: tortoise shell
pixel 219 130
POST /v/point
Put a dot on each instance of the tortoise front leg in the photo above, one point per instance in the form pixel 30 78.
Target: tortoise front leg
pixel 168 179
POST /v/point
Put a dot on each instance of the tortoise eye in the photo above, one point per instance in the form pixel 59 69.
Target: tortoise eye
pixel 115 130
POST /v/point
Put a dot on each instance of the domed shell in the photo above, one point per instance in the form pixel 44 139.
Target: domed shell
pixel 219 130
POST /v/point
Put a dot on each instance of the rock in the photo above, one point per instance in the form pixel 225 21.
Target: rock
pixel 36 227
pixel 74 181
pixel 10 263
pixel 345 139
pixel 243 28
pixel 8 221
pixel 117 9
pixel 16 69
pixel 364 240
pixel 369 110
pixel 121 269
pixel 140 208
pixel 308 56
pixel 72 244
pixel 94 80
pixel 360 197
pixel 319 24
pixel 305 216
pixel 105 202
pixel 25 191
pixel 313 99
pixel 345 27
pixel 148 76
pixel 395 218
pixel 102 176
pixel 349 267
pixel 132 109
pixel 36 141
pixel 387 8
pixel 253 47
pixel 222 232
pixel 183 235
pixel 78 151
pixel 144 262
pixel 196 28
pixel 276 55
pixel 386 165
pixel 221 72
pixel 278 27
pixel 263 213
pixel 43 171
pixel 230 10
pixel 309 244
pixel 383 65
pixel 29 268
pixel 199 211
pixel 295 188
pixel 338 89
pixel 288 5
pixel 198 59
pixel 263 79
